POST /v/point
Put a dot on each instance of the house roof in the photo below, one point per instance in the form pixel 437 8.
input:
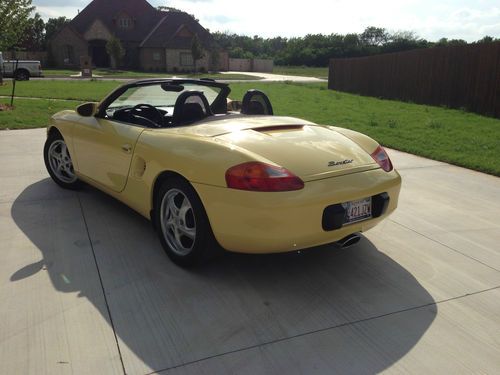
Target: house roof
pixel 175 30
pixel 151 27
pixel 140 11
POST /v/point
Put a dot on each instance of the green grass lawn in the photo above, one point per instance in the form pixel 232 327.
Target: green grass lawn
pixel 100 72
pixel 108 73
pixel 29 113
pixel 75 90
pixel 453 136
pixel 304 71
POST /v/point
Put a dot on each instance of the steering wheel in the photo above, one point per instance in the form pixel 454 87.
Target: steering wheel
pixel 150 113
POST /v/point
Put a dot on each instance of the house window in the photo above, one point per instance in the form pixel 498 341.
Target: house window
pixel 186 59
pixel 156 56
pixel 69 54
pixel 125 23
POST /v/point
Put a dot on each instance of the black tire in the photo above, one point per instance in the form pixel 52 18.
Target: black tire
pixel 204 246
pixel 66 180
pixel 22 75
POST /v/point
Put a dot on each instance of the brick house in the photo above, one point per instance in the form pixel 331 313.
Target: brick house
pixel 154 40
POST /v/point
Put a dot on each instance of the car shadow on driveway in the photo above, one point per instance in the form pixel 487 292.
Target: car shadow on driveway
pixel 332 309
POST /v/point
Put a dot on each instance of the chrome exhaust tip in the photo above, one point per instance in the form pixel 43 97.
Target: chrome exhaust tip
pixel 349 241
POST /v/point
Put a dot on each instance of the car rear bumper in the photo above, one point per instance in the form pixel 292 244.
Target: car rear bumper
pixel 256 222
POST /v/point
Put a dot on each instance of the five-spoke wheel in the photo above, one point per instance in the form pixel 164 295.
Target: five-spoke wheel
pixel 58 162
pixel 177 222
pixel 182 223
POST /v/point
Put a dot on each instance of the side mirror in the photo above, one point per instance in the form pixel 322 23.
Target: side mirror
pixel 87 109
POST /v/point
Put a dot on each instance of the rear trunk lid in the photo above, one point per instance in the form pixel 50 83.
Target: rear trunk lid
pixel 309 151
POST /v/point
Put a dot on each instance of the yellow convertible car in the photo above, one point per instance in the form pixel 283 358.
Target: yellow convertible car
pixel 211 173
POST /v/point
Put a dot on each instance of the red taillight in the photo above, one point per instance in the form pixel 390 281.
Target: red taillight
pixel 256 176
pixel 381 157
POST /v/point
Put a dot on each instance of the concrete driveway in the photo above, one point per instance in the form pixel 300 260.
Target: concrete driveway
pixel 85 287
pixel 271 77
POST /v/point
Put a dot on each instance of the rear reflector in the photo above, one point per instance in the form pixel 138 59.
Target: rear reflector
pixel 257 176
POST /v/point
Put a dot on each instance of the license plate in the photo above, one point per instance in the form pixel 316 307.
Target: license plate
pixel 357 210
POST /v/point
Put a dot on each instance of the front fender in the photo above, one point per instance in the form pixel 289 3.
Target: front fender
pixel 64 122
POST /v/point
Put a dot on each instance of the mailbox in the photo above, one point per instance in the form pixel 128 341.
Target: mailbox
pixel 86 66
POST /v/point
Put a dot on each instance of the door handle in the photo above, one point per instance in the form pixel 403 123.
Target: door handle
pixel 127 148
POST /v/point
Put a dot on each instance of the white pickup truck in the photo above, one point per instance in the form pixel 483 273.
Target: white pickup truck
pixel 25 69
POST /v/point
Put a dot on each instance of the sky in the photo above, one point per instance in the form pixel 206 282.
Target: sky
pixel 429 19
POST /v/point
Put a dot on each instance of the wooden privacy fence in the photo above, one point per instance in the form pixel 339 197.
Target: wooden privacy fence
pixel 458 77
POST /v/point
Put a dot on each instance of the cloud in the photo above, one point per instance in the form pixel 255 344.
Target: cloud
pixel 222 20
pixel 430 19
pixel 199 1
pixel 54 12
pixel 61 3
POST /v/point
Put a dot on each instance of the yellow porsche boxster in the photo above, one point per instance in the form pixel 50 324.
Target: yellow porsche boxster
pixel 212 173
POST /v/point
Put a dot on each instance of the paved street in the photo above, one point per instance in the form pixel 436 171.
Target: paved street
pixel 86 288
pixel 259 77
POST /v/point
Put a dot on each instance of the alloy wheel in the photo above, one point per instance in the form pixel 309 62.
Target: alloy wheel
pixel 178 222
pixel 60 162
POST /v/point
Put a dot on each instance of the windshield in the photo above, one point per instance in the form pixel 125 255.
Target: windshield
pixel 156 96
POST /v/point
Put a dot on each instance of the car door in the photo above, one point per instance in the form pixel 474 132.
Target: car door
pixel 104 149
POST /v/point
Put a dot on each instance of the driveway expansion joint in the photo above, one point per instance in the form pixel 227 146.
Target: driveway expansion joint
pixel 424 167
pixel 326 329
pixel 91 243
pixel 443 244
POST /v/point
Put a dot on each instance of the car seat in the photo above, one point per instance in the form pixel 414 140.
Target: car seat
pixel 190 106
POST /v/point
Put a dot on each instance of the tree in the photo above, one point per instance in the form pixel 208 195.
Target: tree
pixel 457 42
pixel 14 15
pixel 215 58
pixel 403 41
pixel 196 50
pixel 486 39
pixel 318 49
pixel 116 51
pixel 53 26
pixel 14 18
pixel 240 53
pixel 163 8
pixel 374 36
pixel 34 35
pixel 444 42
pixel 352 45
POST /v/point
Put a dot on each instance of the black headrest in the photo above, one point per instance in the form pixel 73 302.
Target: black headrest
pixel 256 108
pixel 192 112
pixel 191 106
pixel 255 102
